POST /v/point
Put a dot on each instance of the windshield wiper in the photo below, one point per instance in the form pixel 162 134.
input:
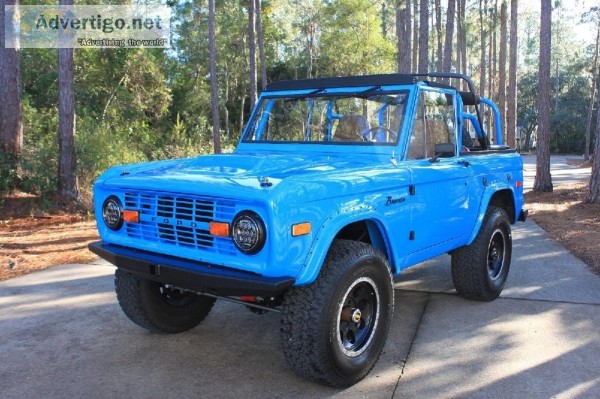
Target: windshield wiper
pixel 370 89
pixel 317 91
pixel 305 96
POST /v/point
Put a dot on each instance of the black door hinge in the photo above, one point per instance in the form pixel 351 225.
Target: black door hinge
pixel 411 189
pixel 411 235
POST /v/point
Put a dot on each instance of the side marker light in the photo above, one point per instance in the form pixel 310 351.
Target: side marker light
pixel 300 229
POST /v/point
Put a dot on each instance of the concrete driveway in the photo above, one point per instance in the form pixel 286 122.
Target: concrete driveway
pixel 62 335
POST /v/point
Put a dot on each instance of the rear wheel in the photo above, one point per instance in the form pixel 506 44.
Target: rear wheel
pixel 158 307
pixel 333 331
pixel 479 270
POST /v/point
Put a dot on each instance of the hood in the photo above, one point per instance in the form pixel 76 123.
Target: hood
pixel 228 175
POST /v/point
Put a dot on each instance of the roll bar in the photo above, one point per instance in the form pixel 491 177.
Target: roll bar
pixel 470 85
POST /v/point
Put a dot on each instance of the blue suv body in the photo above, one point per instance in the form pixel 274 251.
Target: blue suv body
pixel 336 185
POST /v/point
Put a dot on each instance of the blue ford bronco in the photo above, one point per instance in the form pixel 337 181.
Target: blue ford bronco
pixel 336 186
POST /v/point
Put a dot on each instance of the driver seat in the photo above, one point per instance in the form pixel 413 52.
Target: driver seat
pixel 350 127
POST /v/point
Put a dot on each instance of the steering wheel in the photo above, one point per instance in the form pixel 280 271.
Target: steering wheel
pixel 369 133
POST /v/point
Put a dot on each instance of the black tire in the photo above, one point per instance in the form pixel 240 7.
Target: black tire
pixel 480 269
pixel 325 339
pixel 158 308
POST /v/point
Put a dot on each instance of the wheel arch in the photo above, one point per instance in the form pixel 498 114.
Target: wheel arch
pixel 370 230
pixel 504 199
pixel 499 197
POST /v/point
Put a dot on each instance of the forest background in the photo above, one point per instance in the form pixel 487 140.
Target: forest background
pixel 135 105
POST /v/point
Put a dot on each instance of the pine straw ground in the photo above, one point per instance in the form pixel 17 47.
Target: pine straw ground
pixel 565 216
pixel 32 240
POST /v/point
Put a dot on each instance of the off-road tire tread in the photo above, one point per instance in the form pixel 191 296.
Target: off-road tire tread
pixel 129 289
pixel 468 279
pixel 299 332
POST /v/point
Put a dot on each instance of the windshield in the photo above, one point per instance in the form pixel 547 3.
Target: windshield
pixel 362 119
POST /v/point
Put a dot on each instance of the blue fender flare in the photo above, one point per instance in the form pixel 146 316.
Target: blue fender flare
pixel 329 229
pixel 488 194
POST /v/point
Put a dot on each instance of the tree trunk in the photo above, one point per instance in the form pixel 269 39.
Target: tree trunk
pixel 447 65
pixel 543 178
pixel 438 34
pixel 68 190
pixel 403 36
pixel 463 52
pixel 594 194
pixel 11 110
pixel 493 68
pixel 310 48
pixel 261 46
pixel 241 122
pixel 252 47
pixel 511 117
pixel 226 102
pixel 595 73
pixel 557 58
pixel 384 27
pixel 415 45
pixel 459 34
pixel 431 24
pixel 482 7
pixel 491 60
pixel 528 133
pixel 423 37
pixel 214 85
pixel 502 64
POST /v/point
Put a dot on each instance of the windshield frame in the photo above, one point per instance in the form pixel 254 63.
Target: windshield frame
pixel 324 93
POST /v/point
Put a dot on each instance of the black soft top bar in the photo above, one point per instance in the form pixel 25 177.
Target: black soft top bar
pixel 367 80
pixel 343 81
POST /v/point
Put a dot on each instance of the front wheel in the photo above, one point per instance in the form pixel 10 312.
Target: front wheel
pixel 333 331
pixel 158 307
pixel 480 269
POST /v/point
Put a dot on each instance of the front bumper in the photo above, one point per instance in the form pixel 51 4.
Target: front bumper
pixel 191 275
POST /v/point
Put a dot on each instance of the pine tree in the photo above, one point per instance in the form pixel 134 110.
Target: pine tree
pixel 214 88
pixel 11 110
pixel 68 186
pixel 543 178
pixel 511 110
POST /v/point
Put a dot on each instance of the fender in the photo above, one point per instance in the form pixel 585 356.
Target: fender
pixel 489 192
pixel 327 232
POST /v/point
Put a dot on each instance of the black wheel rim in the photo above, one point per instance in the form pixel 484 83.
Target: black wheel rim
pixel 496 254
pixel 358 315
pixel 176 298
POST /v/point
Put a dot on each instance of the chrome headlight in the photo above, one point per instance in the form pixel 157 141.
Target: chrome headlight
pixel 112 213
pixel 248 232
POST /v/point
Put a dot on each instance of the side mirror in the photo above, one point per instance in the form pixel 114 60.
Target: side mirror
pixel 444 150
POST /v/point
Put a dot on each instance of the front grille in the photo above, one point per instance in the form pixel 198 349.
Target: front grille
pixel 179 220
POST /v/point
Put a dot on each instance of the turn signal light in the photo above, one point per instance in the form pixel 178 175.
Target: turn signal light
pixel 518 184
pixel 219 229
pixel 300 229
pixel 131 216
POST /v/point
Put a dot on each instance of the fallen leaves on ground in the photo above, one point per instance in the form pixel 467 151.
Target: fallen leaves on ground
pixel 565 216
